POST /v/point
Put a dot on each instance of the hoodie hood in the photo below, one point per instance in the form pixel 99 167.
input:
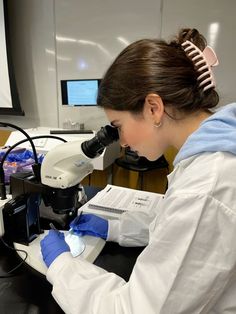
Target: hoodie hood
pixel 215 134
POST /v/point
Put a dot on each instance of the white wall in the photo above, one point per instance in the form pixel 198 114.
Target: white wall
pixel 51 39
pixel 32 36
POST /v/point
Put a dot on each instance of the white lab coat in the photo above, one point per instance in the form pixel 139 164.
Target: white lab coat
pixel 189 264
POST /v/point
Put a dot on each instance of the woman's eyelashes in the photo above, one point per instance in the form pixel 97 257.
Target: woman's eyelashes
pixel 118 127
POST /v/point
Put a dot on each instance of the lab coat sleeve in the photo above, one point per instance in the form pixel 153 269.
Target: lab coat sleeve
pixel 186 266
pixel 132 229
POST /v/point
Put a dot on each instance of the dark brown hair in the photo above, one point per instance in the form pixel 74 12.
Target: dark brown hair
pixel 156 66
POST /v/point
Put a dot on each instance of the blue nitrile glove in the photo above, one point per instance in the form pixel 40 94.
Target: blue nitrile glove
pixel 53 245
pixel 89 224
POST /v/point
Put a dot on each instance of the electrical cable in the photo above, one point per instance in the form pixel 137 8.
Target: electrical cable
pixel 4 124
pixel 9 273
pixel 2 176
pixel 25 140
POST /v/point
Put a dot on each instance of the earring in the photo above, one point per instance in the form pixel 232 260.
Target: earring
pixel 157 125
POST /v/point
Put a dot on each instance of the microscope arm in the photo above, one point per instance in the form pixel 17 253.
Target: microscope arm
pixel 65 166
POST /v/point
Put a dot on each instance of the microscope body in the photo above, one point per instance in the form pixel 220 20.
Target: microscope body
pixel 34 205
pixel 55 196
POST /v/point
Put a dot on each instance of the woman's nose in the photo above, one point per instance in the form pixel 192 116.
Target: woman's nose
pixel 122 140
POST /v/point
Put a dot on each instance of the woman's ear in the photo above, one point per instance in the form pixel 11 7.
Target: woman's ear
pixel 154 107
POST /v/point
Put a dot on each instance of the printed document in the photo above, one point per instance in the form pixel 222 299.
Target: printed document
pixel 116 199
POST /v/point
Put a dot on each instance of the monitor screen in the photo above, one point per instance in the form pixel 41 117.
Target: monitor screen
pixel 79 92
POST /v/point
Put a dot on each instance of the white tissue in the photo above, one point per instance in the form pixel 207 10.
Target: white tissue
pixel 75 242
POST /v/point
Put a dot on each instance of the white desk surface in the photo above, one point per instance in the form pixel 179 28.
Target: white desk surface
pixel 93 247
pixel 2 202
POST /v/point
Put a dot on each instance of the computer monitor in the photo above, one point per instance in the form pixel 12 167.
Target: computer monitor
pixel 81 92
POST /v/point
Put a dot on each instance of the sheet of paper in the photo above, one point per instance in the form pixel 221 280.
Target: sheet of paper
pixel 125 199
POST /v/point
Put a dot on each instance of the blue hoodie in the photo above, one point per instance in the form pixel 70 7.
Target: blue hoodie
pixel 217 133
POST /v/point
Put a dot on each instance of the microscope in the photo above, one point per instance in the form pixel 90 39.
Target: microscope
pixel 54 186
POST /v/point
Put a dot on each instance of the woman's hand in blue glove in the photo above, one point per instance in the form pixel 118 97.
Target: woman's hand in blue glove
pixel 53 245
pixel 89 224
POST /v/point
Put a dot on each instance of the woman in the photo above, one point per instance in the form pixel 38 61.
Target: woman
pixel 159 94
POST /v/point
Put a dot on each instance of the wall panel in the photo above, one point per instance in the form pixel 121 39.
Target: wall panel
pixel 216 20
pixel 31 27
pixel 90 34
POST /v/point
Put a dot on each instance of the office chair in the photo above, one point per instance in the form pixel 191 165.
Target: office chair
pixel 131 161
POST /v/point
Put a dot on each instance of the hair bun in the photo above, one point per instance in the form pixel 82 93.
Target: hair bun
pixel 192 35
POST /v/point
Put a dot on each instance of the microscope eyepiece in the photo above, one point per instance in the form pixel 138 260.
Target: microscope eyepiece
pixel 104 137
